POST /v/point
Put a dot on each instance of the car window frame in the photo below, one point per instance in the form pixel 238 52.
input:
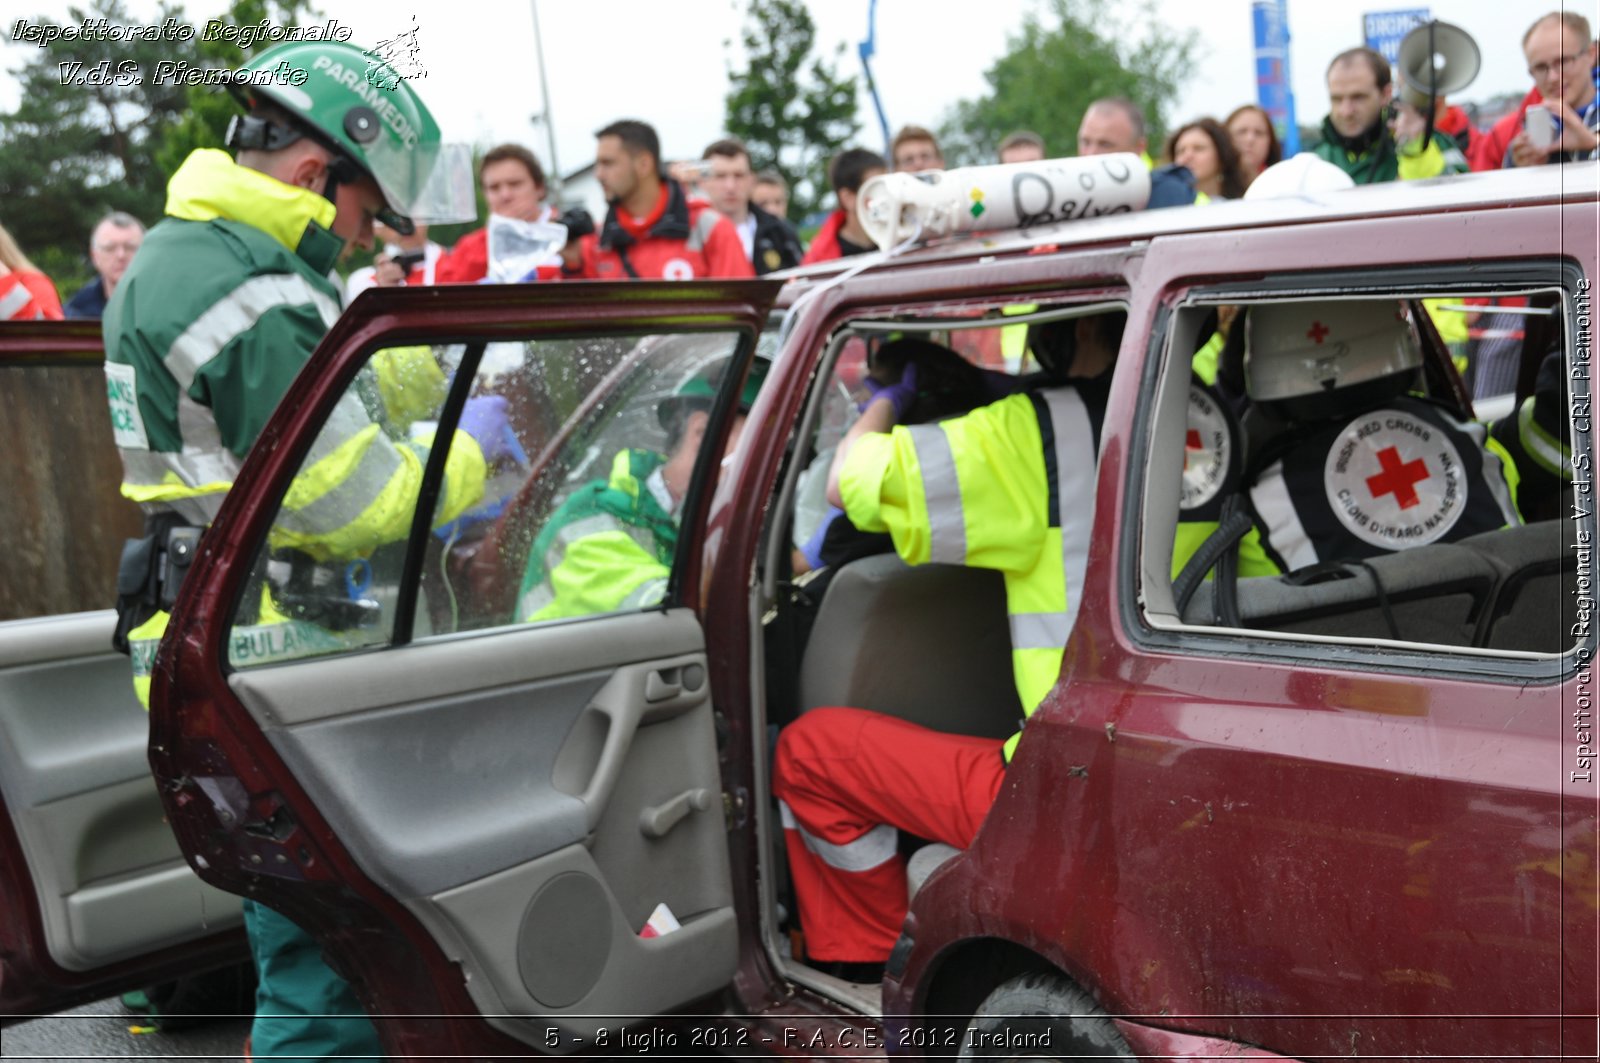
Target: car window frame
pixel 403 625
pixel 1160 383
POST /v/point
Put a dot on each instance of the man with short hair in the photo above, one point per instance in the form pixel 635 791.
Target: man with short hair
pixel 653 230
pixel 915 149
pixel 1356 134
pixel 769 241
pixel 1022 146
pixel 842 235
pixel 115 240
pixel 514 187
pixel 771 193
pixel 1110 125
pixel 1561 60
pixel 1114 125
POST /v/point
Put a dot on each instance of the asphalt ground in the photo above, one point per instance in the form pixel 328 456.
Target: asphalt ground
pixel 104 1031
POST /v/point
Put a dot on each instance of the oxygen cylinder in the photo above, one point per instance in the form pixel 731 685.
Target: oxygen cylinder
pixel 896 206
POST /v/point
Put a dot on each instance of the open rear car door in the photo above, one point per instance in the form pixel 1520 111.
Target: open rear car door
pixel 474 787
pixel 95 897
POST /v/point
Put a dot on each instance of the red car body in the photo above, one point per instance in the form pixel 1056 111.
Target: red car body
pixel 1236 846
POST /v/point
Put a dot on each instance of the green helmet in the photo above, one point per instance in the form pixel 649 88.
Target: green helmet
pixel 698 391
pixel 356 104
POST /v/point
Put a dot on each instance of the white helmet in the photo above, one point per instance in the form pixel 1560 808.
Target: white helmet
pixel 1297 176
pixel 1311 348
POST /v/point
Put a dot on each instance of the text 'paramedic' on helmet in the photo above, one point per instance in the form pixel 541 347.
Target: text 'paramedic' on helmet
pixel 356 105
pixel 1303 174
pixel 1312 348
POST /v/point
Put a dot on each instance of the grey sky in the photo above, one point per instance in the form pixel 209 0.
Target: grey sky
pixel 666 63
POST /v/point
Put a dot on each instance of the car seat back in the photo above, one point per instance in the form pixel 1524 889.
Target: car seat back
pixel 929 643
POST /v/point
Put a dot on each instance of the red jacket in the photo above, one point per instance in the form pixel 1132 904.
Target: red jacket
pixel 468 261
pixel 825 247
pixel 1489 149
pixel 681 239
pixel 29 297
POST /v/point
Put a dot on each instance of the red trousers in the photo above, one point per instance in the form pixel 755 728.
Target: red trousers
pixel 848 780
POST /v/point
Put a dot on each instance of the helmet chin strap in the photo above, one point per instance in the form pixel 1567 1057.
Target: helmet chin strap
pixel 340 171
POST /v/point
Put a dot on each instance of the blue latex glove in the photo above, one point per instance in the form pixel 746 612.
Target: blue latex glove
pixel 902 393
pixel 485 419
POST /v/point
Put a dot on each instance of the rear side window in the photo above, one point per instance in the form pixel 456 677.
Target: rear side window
pixel 1404 466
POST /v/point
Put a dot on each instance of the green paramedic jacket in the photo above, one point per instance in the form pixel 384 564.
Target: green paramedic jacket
pixel 223 305
pixel 608 547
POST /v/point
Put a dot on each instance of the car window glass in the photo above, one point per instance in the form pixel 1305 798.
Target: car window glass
pixel 557 436
pixel 596 532
pixel 965 358
pixel 1333 477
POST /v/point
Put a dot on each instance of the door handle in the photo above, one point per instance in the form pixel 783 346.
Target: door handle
pixel 662 684
pixel 656 822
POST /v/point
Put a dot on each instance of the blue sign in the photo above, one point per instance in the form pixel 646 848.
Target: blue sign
pixel 1384 30
pixel 1273 82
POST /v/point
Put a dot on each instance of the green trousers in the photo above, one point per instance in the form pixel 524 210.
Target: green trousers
pixel 303 1009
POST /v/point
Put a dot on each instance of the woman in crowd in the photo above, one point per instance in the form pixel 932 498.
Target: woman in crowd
pixel 1254 139
pixel 25 293
pixel 1205 148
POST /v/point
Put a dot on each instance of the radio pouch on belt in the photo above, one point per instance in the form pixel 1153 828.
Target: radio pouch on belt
pixel 150 573
pixel 137 588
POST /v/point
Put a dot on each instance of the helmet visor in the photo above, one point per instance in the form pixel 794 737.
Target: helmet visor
pixel 425 183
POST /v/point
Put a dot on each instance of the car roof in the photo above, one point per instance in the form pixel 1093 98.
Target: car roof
pixel 1572 183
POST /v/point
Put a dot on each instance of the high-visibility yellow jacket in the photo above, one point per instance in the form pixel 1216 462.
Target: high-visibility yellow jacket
pixel 218 312
pixel 1009 486
pixel 608 547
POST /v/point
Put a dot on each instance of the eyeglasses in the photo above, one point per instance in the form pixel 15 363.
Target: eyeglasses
pixel 1541 70
pixel 113 248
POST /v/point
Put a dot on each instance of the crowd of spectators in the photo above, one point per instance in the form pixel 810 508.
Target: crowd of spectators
pixel 717 216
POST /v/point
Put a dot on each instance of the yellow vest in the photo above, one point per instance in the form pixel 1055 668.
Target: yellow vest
pixel 1009 486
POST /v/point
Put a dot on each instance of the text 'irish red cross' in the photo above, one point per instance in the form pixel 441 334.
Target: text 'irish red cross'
pixel 1398 478
pixel 1318 332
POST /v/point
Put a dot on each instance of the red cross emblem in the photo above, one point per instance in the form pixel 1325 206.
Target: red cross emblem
pixel 1192 441
pixel 1398 478
pixel 1318 332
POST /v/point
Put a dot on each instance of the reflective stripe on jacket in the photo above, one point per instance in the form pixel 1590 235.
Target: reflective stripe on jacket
pixel 1009 486
pixel 216 315
pixel 608 547
pixel 1405 475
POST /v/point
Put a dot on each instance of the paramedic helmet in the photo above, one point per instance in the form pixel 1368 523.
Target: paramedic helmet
pixel 1321 358
pixel 357 106
pixel 700 390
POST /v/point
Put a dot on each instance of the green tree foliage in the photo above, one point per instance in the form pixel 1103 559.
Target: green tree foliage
pixel 95 131
pixel 204 122
pixel 793 111
pixel 70 151
pixel 1061 61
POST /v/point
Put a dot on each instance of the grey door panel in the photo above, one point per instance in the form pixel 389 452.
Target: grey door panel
pixel 109 877
pixel 280 696
pixel 532 794
pixel 563 910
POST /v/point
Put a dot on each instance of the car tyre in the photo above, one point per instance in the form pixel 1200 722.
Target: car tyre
pixel 1041 1016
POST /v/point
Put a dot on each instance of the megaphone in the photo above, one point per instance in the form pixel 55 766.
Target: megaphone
pixel 1436 59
